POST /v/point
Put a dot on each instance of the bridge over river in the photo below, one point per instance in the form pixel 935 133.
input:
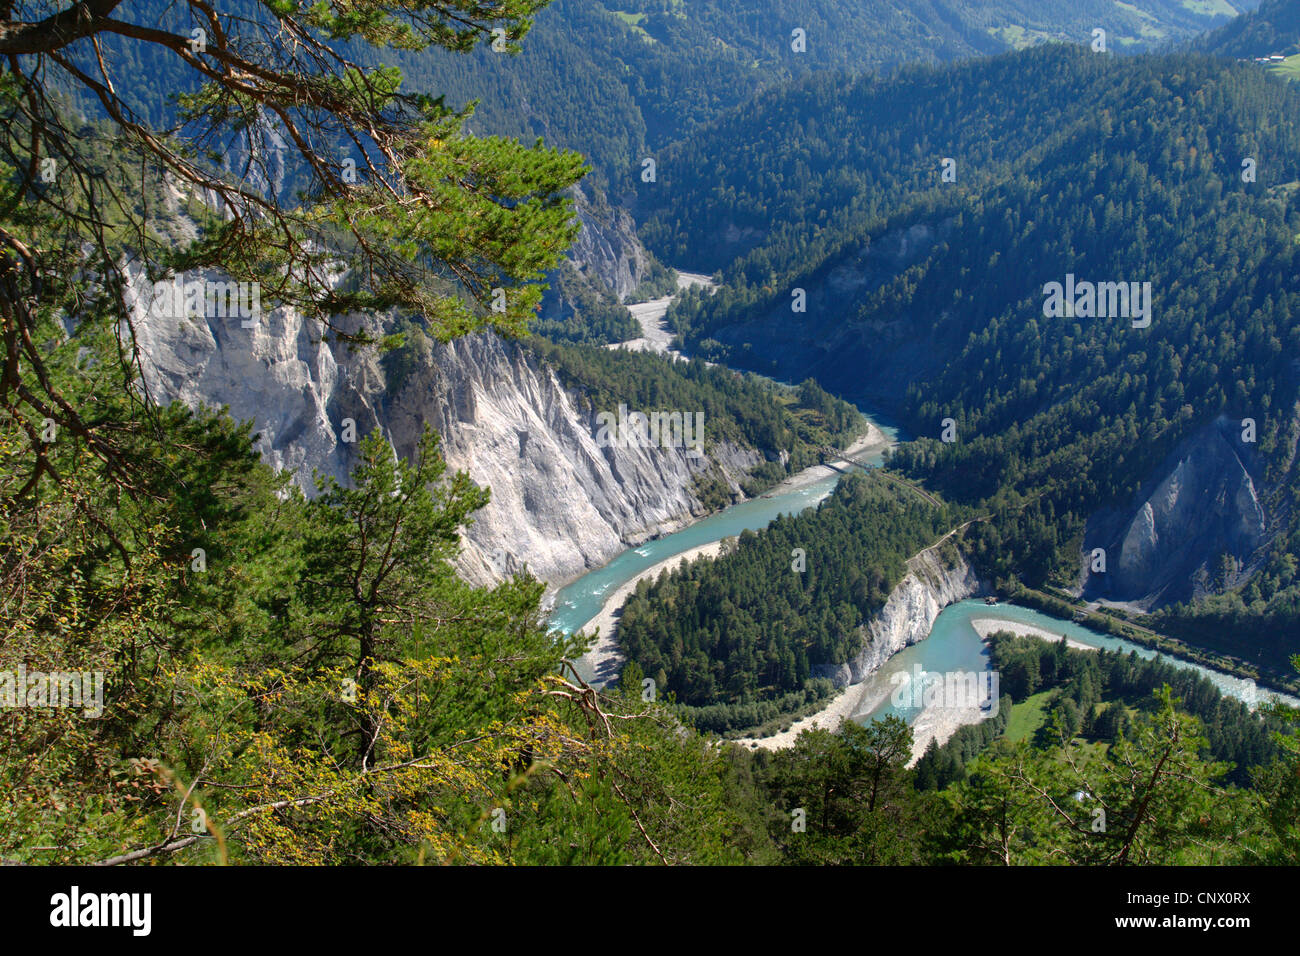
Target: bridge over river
pixel 831 455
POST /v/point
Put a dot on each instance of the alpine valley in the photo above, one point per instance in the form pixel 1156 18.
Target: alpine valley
pixel 835 432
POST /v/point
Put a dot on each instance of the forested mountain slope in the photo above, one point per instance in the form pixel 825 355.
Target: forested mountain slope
pixel 612 78
pixel 620 80
pixel 931 297
pixel 1272 28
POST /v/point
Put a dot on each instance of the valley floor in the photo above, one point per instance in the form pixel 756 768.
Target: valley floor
pixel 656 336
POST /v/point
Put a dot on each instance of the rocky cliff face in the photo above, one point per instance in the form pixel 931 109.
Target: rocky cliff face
pixel 1168 545
pixel 608 246
pixel 935 578
pixel 560 504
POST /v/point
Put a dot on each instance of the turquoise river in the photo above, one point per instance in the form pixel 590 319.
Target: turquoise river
pixel 953 644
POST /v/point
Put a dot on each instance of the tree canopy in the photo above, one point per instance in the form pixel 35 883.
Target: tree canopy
pixel 399 208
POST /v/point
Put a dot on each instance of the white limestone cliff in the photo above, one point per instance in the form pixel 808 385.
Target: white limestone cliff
pixel 936 578
pixel 560 504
